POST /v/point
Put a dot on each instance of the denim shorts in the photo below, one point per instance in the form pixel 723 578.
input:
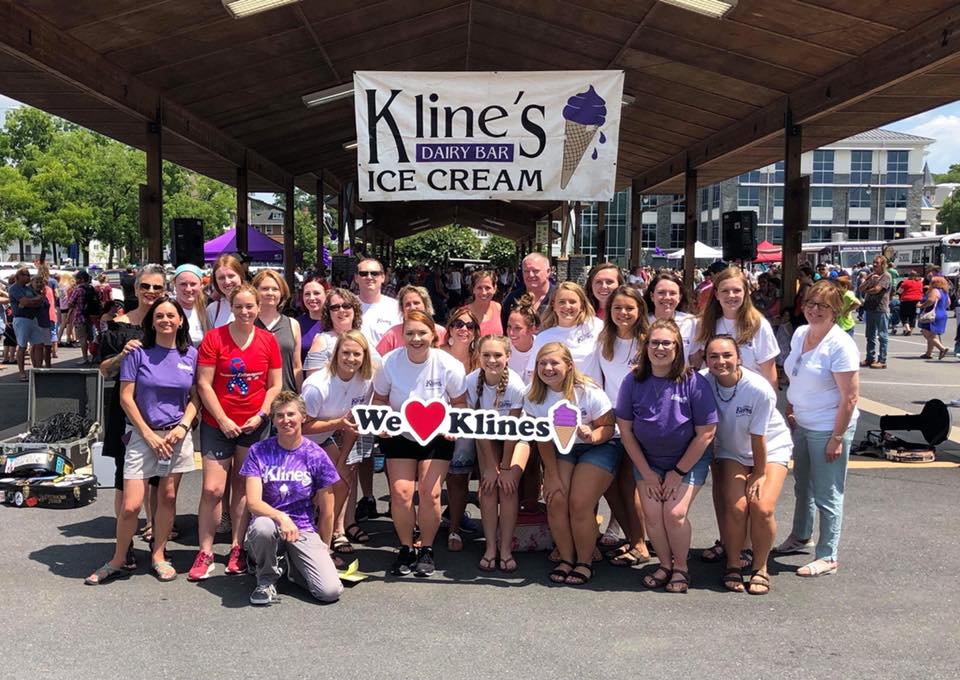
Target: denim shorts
pixel 29 332
pixel 464 457
pixel 696 476
pixel 216 445
pixel 605 456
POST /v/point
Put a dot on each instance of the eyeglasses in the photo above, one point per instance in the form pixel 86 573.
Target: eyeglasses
pixel 156 287
pixel 464 324
pixel 666 344
pixel 343 305
pixel 819 305
pixel 369 275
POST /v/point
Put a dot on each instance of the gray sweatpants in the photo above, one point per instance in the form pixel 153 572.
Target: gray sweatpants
pixel 308 558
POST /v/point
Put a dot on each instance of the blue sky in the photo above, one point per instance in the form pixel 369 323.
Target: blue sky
pixel 941 124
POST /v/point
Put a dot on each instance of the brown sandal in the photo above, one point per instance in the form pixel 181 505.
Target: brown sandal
pixel 652 581
pixel 759 583
pixel 680 586
pixel 732 580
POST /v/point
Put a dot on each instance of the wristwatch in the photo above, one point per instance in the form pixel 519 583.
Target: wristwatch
pixel 186 428
pixel 679 471
pixel 263 416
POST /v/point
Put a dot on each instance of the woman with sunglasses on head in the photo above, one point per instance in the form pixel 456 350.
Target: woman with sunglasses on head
pixel 667 299
pixel 123 335
pixel 729 311
pixel 483 285
pixel 329 395
pixel 410 298
pixel 463 332
pixel 624 329
pixel 522 326
pixel 239 374
pixel 340 313
pixel 421 371
pixel 274 294
pixel 752 450
pixel 188 290
pixel 667 417
pixel 313 293
pixel 228 273
pixel 573 482
pixel 571 321
pixel 494 387
pixel 603 279
pixel 159 397
pixel 823 366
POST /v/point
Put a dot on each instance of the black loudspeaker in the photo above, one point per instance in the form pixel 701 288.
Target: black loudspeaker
pixel 740 235
pixel 187 234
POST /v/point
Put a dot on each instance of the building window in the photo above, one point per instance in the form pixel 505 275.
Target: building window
pixel 616 228
pixel 648 236
pixel 858 233
pixel 714 234
pixel 822 167
pixel 776 234
pixel 859 198
pixel 777 197
pixel 821 197
pixel 676 235
pixel 895 198
pixel 715 197
pixel 748 197
pixel 897 167
pixel 752 177
pixel 679 204
pixel 704 197
pixel 779 170
pixel 820 234
pixel 861 167
pixel 648 202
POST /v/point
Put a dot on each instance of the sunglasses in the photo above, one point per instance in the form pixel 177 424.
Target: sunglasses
pixel 464 324
pixel 369 275
pixel 337 307
pixel 666 344
pixel 151 286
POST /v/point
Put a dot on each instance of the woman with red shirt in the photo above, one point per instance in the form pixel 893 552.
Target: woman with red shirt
pixel 238 375
pixel 911 292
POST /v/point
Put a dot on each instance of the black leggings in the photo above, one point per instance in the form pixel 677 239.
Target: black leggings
pixel 908 313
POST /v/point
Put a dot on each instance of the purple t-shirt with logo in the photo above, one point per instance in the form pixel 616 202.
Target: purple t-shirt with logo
pixel 665 413
pixel 162 378
pixel 291 478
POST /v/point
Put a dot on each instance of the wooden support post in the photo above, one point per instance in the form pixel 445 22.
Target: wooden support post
pixel 796 199
pixel 690 226
pixel 601 241
pixel 636 226
pixel 243 217
pixel 341 220
pixel 321 227
pixel 577 227
pixel 289 255
pixel 152 197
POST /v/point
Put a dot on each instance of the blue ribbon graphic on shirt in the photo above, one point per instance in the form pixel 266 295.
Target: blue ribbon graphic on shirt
pixel 237 381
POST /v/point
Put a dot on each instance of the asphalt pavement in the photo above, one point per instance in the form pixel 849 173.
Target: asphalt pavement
pixel 891 611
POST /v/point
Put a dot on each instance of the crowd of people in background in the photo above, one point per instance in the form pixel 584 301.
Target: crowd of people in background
pixel 671 388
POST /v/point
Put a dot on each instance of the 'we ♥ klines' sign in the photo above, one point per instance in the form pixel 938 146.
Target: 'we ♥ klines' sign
pixel 424 421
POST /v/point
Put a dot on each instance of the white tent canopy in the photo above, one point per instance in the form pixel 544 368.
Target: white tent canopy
pixel 701 251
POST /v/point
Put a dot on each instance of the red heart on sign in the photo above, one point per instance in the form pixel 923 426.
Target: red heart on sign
pixel 425 419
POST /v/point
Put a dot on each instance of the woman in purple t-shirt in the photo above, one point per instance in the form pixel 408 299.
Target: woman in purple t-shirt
pixel 159 397
pixel 667 417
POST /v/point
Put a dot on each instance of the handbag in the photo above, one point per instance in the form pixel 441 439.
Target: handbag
pixel 928 316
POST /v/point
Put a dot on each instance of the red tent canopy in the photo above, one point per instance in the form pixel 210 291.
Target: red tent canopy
pixel 767 252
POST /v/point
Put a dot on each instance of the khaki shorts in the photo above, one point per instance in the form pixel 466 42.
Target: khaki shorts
pixel 140 461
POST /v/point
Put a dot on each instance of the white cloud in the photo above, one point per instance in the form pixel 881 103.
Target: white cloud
pixel 946 150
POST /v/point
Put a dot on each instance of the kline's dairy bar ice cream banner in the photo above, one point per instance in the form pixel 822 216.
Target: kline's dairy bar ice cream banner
pixel 531 135
pixel 424 421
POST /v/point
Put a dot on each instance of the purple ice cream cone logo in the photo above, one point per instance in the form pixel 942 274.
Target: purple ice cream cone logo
pixel 584 114
pixel 565 422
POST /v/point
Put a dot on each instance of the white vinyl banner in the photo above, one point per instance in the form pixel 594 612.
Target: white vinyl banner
pixel 530 135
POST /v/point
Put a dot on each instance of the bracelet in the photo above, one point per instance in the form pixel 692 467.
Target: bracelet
pixel 263 416
pixel 506 469
pixel 186 428
pixel 838 437
pixel 680 472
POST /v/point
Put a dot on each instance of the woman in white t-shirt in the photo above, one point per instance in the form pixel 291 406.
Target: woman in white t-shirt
pixel 667 298
pixel 188 289
pixel 729 311
pixel 624 328
pixel 494 387
pixel 603 279
pixel 227 275
pixel 522 330
pixel 329 395
pixel 571 321
pixel 340 313
pixel 573 482
pixel 418 370
pixel 823 366
pixel 753 447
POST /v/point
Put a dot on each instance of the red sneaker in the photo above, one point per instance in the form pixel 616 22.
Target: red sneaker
pixel 237 562
pixel 202 567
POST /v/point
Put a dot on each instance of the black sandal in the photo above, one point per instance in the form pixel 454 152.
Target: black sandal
pixel 652 582
pixel 681 586
pixel 733 580
pixel 576 578
pixel 758 580
pixel 558 575
pixel 714 553
pixel 356 534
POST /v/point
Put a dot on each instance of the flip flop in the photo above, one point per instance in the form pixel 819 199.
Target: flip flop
pixel 505 565
pixel 105 574
pixel 488 564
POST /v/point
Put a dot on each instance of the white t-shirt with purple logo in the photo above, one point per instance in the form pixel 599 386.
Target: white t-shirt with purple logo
pixel 614 370
pixel 291 477
pixel 379 317
pixel 590 399
pixel 762 347
pixel 581 340
pixel 162 378
pixel 327 396
pixel 512 397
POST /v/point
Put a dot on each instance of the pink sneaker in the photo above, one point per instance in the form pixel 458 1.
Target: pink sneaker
pixel 237 562
pixel 202 567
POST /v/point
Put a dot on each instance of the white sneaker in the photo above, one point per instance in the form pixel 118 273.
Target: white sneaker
pixel 263 595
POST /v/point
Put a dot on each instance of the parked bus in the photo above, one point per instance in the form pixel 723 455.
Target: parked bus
pixel 845 254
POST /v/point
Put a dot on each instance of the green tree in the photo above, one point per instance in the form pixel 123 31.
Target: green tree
pixel 949 215
pixel 950 176
pixel 199 197
pixel 16 197
pixel 435 247
pixel 502 252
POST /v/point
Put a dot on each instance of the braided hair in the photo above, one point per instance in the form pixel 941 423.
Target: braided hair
pixel 504 374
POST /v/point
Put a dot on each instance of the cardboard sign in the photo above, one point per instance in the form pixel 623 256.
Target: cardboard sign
pixel 424 421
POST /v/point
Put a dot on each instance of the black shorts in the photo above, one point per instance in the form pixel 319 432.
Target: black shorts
pixel 400 447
